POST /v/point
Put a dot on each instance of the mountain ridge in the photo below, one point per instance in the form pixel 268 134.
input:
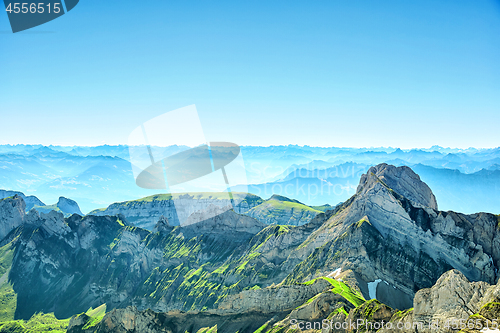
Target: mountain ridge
pixel 230 263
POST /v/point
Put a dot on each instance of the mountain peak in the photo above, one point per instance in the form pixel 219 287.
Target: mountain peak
pixel 68 206
pixel 278 197
pixel 402 180
pixel 162 225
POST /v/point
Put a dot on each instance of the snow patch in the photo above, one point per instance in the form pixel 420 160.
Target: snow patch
pixel 335 273
pixel 372 288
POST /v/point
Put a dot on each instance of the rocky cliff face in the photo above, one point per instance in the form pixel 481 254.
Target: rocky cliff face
pixel 245 312
pixel 190 207
pixel 65 206
pixel 68 206
pixel 145 212
pixel 381 235
pixel 30 200
pixel 11 214
pixel 402 180
pixel 452 304
pixel 452 297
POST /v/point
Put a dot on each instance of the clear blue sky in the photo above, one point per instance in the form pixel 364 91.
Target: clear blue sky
pixel 324 73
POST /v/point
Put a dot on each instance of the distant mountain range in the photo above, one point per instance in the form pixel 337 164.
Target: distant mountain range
pixel 64 205
pixel 96 177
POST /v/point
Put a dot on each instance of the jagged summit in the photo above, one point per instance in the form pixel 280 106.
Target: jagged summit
pixel 162 225
pixel 402 180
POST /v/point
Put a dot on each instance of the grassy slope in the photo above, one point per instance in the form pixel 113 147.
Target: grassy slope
pixel 339 287
pixel 39 323
pixel 287 205
pixel 8 303
pixel 8 298
pixel 47 209
pixel 274 209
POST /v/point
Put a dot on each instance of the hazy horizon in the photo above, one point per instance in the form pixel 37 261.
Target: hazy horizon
pixel 266 146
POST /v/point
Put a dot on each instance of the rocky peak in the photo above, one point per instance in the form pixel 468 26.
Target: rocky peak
pixel 402 180
pixel 68 206
pixel 12 214
pixel 30 200
pixel 53 222
pixel 162 225
pixel 453 296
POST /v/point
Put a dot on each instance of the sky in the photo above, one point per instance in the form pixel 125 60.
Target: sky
pixel 321 73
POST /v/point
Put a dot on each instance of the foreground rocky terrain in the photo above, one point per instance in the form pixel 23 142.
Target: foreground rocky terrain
pixel 385 254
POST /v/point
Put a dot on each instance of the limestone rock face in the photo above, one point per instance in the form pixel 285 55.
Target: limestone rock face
pixel 30 200
pixel 12 214
pixel 452 297
pixel 381 235
pixel 176 208
pixel 402 180
pixel 68 206
pixel 319 308
pixel 133 321
pixel 221 221
pixel 162 225
pixel 269 300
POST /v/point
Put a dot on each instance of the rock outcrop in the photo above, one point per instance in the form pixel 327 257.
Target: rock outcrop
pixel 162 225
pixel 381 235
pixel 452 304
pixel 68 206
pixel 30 200
pixel 132 320
pixel 452 297
pixel 65 206
pixel 176 208
pixel 12 212
pixel 402 180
